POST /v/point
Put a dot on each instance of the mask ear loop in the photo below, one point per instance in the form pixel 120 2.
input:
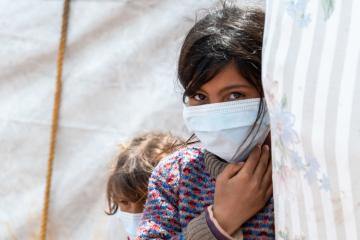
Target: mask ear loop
pixel 256 125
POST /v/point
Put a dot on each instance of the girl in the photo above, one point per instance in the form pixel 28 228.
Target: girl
pixel 203 192
pixel 127 184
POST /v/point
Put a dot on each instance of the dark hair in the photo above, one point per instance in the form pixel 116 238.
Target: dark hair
pixel 229 34
pixel 134 165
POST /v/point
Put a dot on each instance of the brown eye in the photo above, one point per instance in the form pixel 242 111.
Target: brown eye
pixel 235 96
pixel 124 202
pixel 199 97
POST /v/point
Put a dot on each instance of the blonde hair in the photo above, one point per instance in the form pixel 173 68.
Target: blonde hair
pixel 134 165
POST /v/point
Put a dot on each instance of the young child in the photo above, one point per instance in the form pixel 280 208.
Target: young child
pixel 128 182
pixel 203 192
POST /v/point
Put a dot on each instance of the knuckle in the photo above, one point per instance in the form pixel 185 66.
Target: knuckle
pixel 256 184
pixel 231 166
pixel 228 169
pixel 263 164
pixel 246 176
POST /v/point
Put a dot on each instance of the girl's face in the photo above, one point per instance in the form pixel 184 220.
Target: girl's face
pixel 228 85
pixel 131 207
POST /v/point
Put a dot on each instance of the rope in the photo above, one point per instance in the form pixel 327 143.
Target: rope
pixel 55 118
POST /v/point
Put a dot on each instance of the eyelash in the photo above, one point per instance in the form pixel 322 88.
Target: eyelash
pixel 198 94
pixel 240 95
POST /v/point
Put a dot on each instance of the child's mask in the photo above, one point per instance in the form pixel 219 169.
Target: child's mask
pixel 223 128
pixel 130 222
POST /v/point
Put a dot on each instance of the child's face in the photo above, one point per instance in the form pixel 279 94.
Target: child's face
pixel 131 207
pixel 228 85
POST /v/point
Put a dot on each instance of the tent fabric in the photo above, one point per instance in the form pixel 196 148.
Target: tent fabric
pixel 311 70
pixel 119 80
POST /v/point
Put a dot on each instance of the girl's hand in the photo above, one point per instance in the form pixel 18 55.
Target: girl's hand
pixel 240 194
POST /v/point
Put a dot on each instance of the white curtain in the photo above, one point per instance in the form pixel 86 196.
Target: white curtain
pixel 311 74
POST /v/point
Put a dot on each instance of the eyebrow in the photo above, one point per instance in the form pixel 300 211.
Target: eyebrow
pixel 233 86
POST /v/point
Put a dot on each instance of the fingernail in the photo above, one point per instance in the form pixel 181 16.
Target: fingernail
pixel 266 147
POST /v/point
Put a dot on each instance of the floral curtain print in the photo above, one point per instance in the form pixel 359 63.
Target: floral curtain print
pixel 311 76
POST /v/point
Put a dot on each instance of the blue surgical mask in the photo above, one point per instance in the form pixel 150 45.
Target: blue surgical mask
pixel 130 222
pixel 223 128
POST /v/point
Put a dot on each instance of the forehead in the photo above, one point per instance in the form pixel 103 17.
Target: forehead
pixel 120 196
pixel 228 76
pixel 129 195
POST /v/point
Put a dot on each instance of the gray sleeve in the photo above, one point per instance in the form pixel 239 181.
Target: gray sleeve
pixel 203 228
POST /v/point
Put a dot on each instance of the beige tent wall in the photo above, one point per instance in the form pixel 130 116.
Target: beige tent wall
pixel 119 75
pixel 119 80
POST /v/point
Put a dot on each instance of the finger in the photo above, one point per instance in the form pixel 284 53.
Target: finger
pixel 229 171
pixel 267 179
pixel 262 166
pixel 269 192
pixel 252 161
pixel 240 164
